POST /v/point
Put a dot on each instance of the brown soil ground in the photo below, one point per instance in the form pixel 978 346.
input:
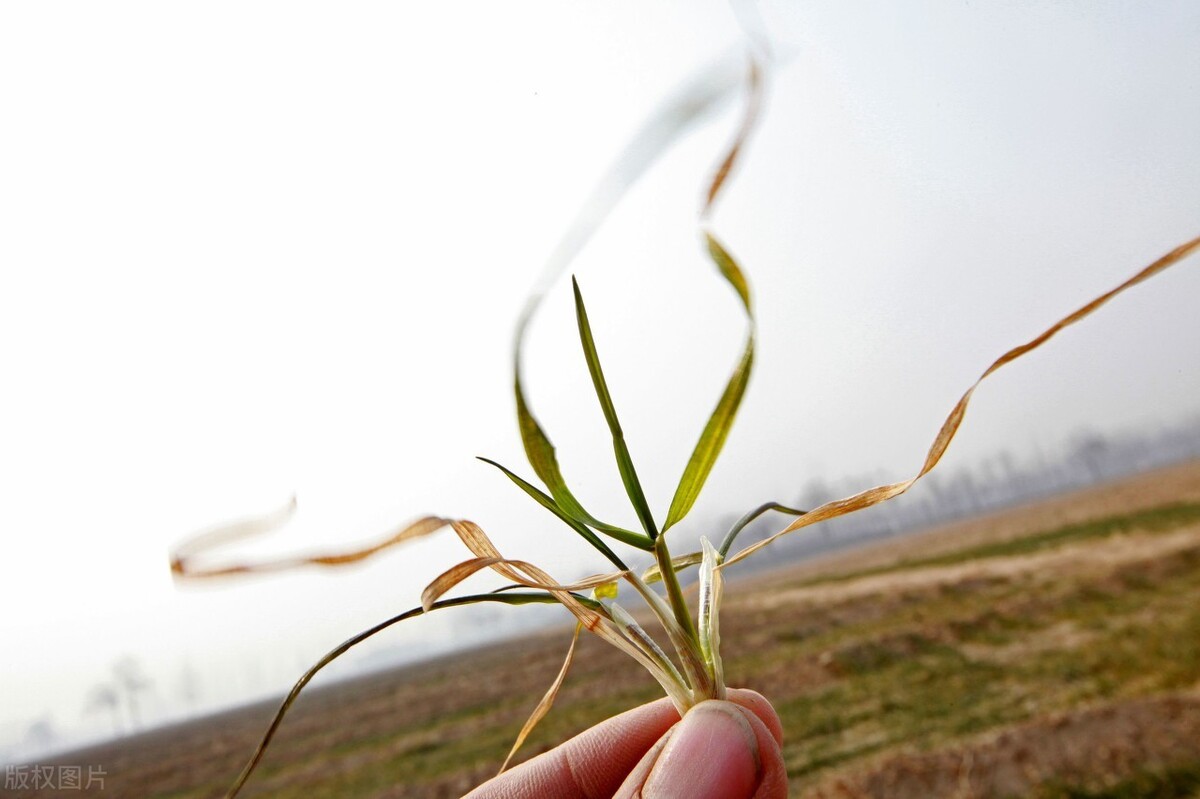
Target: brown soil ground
pixel 1096 746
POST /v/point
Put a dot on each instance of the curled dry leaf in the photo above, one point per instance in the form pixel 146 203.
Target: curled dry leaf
pixel 183 563
pixel 754 102
pixel 546 702
pixel 461 571
pixel 873 496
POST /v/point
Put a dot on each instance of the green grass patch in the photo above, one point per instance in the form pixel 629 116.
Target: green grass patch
pixel 1180 782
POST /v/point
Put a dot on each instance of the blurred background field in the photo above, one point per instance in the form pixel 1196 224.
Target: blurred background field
pixel 1051 650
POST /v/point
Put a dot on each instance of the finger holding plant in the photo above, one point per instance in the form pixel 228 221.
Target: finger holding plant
pixel 720 750
pixel 690 670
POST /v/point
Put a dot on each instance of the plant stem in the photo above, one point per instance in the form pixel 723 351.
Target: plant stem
pixel 674 592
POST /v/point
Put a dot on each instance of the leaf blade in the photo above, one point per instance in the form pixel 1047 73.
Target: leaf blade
pixel 754 99
pixel 720 421
pixel 742 523
pixel 633 486
pixel 712 439
pixel 549 504
pixel 541 456
pixel 729 270
pixel 546 702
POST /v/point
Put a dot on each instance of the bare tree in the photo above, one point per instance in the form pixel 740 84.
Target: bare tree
pixel 105 698
pixel 189 686
pixel 41 735
pixel 132 682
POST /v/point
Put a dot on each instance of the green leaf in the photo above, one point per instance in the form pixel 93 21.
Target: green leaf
pixel 586 601
pixel 549 504
pixel 751 516
pixel 633 486
pixel 546 702
pixel 678 563
pixel 708 448
pixel 729 270
pixel 712 439
pixel 540 453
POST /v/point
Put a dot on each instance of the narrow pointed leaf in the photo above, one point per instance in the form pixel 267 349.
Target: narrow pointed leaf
pixel 729 270
pixel 542 458
pixel 751 516
pixel 549 504
pixel 587 601
pixel 712 439
pixel 633 486
pixel 546 702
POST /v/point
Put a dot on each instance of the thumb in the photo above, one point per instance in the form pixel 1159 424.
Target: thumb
pixel 713 752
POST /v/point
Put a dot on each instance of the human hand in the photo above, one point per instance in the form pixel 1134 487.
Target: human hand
pixel 720 750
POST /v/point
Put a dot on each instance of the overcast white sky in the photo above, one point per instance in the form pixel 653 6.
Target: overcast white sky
pixel 254 249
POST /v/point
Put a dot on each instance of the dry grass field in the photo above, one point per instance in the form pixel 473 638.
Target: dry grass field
pixel 1049 651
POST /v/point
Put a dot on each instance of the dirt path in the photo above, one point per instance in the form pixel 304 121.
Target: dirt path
pixel 1080 557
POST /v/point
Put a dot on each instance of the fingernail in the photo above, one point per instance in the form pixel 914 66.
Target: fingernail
pixel 713 754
